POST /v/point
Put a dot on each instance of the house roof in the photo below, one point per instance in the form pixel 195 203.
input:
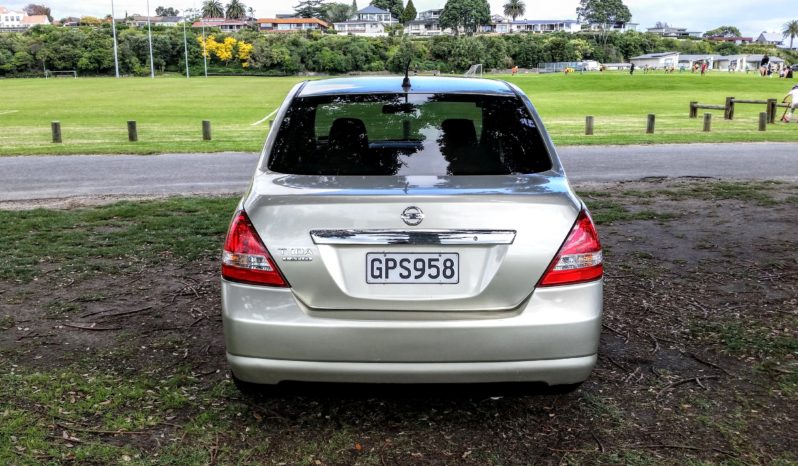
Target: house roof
pixel 293 21
pixel 36 19
pixel 545 21
pixel 373 9
pixel 211 22
pixel 771 37
pixel 689 57
pixel 655 55
pixel 3 9
pixel 729 38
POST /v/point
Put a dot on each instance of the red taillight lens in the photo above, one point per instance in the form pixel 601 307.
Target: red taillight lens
pixel 580 258
pixel 245 258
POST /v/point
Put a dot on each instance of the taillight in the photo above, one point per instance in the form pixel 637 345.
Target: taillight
pixel 245 258
pixel 580 258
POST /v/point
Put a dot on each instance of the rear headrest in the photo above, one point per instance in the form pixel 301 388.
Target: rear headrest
pixel 459 132
pixel 348 133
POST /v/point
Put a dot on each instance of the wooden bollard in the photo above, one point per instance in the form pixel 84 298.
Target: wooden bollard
pixel 707 122
pixel 694 109
pixel 772 110
pixel 763 121
pixel 728 112
pixel 589 125
pixel 650 123
pixel 206 130
pixel 271 122
pixel 56 128
pixel 132 131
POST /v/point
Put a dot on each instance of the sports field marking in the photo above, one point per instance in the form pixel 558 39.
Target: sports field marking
pixel 265 118
pixel 6 112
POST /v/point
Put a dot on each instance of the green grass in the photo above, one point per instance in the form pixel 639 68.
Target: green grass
pixel 169 110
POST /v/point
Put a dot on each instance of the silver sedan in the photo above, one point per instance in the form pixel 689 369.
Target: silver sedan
pixel 411 232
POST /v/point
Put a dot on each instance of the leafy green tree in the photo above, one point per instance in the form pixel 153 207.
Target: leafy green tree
pixel 354 7
pixel 410 13
pixel 465 14
pixel 790 30
pixel 212 9
pixel 604 13
pixel 310 9
pixel 337 12
pixel 236 10
pixel 394 6
pixel 166 11
pixel 514 8
pixel 34 9
pixel 723 31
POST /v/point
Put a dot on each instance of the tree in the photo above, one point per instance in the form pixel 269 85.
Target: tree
pixel 723 31
pixel 337 12
pixel 166 11
pixel 661 25
pixel 410 12
pixel 514 8
pixel 603 13
pixel 394 6
pixel 790 30
pixel 465 14
pixel 310 9
pixel 34 10
pixel 354 7
pixel 236 10
pixel 212 9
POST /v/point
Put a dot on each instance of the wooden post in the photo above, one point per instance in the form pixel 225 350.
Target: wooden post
pixel 56 127
pixel 694 109
pixel 728 113
pixel 772 110
pixel 650 123
pixel 132 131
pixel 763 121
pixel 589 125
pixel 206 130
pixel 707 122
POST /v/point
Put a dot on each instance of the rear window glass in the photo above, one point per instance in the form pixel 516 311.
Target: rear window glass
pixel 408 134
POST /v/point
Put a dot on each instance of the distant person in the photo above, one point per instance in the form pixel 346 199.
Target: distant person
pixel 704 67
pixel 792 96
pixel 764 65
pixel 514 70
pixel 632 69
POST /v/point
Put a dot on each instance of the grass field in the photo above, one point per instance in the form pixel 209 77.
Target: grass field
pixel 169 110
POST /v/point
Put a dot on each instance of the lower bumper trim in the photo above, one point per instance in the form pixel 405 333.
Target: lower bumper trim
pixel 550 371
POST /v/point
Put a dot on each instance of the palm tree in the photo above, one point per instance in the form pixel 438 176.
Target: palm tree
pixel 236 10
pixel 791 30
pixel 514 8
pixel 212 9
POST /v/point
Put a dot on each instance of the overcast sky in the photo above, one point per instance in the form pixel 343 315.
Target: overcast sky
pixel 751 16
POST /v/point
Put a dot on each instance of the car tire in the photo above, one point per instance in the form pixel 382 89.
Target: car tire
pixel 564 389
pixel 249 389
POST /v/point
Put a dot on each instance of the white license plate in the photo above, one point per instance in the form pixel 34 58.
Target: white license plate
pixel 412 267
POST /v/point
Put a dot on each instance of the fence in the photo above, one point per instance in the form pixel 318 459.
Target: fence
pixel 728 108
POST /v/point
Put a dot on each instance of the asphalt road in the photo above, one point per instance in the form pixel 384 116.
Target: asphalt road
pixel 54 177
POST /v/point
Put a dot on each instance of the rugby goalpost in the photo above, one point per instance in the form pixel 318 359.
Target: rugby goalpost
pixel 56 74
pixel 474 72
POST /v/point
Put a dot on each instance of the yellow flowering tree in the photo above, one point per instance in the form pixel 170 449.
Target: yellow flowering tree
pixel 244 51
pixel 227 49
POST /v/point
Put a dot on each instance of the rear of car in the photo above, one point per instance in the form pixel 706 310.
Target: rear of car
pixel 417 234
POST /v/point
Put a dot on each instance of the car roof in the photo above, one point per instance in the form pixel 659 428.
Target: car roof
pixel 393 84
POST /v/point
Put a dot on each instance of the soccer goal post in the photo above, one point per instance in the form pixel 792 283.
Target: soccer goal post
pixel 60 74
pixel 474 72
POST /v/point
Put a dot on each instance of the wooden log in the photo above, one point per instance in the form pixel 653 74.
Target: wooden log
pixel 589 125
pixel 763 121
pixel 750 101
pixel 771 110
pixel 132 131
pixel 728 111
pixel 694 109
pixel 709 107
pixel 707 122
pixel 56 129
pixel 206 130
pixel 650 123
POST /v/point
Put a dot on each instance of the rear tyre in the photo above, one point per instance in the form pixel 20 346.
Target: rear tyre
pixel 251 390
pixel 564 389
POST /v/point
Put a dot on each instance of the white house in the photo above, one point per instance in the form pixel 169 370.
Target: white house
pixel 770 38
pixel 668 31
pixel 753 61
pixel 16 19
pixel 369 21
pixel 426 24
pixel 538 26
pixel 656 60
pixel 732 63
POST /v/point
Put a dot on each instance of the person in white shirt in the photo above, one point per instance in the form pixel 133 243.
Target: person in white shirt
pixel 793 96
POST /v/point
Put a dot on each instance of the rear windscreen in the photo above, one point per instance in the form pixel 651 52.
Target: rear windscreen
pixel 408 134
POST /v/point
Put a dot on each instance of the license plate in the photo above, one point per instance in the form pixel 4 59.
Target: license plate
pixel 411 267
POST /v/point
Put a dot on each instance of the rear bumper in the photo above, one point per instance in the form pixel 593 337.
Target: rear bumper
pixel 552 337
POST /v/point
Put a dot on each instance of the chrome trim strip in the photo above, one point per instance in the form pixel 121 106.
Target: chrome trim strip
pixel 382 237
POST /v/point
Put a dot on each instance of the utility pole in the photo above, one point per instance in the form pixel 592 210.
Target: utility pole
pixel 113 29
pixel 185 45
pixel 149 35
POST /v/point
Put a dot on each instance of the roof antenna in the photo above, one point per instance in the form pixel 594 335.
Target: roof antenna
pixel 406 81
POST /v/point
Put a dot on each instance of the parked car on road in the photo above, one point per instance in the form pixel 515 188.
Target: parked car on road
pixel 423 232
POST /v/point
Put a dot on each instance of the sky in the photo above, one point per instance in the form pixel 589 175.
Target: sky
pixel 751 16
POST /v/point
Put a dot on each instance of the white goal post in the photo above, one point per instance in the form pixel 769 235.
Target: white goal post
pixel 56 74
pixel 474 72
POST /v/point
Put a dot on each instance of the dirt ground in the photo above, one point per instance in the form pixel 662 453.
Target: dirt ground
pixel 698 360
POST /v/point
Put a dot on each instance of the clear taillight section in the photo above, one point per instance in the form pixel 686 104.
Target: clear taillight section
pixel 580 258
pixel 245 259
